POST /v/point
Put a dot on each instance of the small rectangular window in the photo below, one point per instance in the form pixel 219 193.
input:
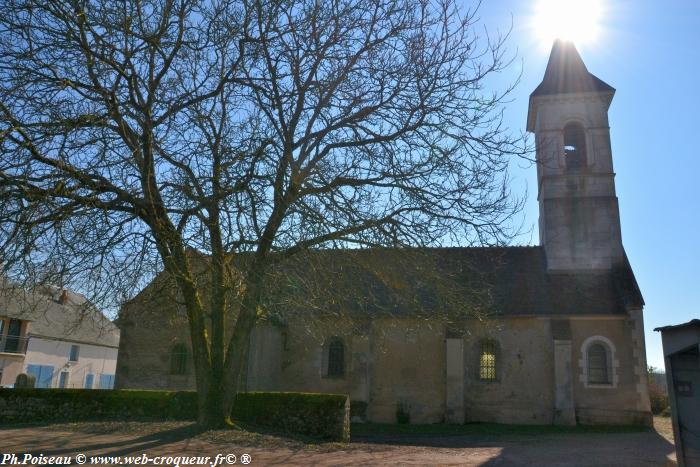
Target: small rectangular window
pixel 336 358
pixel 487 361
pixel 74 352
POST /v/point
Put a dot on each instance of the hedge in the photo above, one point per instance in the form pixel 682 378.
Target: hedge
pixel 320 415
pixel 40 405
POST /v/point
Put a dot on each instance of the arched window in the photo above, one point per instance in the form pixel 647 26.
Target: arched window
pixel 574 146
pixel 598 370
pixel 488 356
pixel 178 359
pixel 336 357
pixel 598 363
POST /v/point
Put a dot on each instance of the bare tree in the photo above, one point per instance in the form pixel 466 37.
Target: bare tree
pixel 133 131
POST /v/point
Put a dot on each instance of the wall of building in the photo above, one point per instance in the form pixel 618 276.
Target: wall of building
pixel 523 391
pixel 579 213
pixel 148 334
pixel 10 365
pixel 401 362
pixel 94 359
pixel 627 399
pixel 407 370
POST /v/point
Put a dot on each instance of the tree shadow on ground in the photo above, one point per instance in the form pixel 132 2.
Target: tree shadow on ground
pixel 620 450
pixel 475 434
pixel 628 446
pixel 131 445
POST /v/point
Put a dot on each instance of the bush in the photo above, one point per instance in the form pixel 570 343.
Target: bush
pixel 25 380
pixel 320 415
pixel 403 413
pixel 358 411
pixel 324 416
pixel 41 405
pixel 658 399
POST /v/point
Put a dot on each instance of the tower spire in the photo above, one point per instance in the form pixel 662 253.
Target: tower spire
pixel 579 215
pixel 567 74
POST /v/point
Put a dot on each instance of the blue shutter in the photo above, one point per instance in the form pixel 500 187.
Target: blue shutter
pixel 42 373
pixel 73 354
pixel 106 381
pixel 63 379
pixel 46 376
pixel 89 380
pixel 35 371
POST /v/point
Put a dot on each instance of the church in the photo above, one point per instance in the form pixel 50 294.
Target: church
pixel 549 334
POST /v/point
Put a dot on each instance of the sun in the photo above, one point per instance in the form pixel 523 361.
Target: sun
pixel 574 20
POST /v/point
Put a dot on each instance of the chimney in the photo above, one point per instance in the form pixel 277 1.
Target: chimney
pixel 63 300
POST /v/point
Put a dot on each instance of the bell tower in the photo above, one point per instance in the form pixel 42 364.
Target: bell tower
pixel 579 217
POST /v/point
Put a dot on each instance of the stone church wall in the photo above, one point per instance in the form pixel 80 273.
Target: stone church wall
pixel 400 364
pixel 626 401
pixel 523 391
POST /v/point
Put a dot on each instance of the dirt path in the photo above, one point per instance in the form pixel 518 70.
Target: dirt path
pixel 618 449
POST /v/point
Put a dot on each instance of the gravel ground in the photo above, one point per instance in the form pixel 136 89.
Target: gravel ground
pixel 649 448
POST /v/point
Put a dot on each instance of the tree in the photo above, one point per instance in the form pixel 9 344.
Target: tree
pixel 135 131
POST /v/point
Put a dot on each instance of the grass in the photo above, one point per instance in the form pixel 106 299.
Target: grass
pixel 491 429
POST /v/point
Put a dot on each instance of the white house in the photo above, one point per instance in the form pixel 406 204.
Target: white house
pixel 57 336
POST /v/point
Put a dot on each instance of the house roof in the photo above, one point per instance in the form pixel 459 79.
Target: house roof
pixel 689 324
pixel 507 281
pixel 77 320
pixel 566 74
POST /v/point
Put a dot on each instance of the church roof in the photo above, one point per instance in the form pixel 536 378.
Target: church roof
pixel 566 74
pixel 507 281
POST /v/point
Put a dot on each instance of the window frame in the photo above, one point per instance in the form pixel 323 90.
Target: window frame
pixel 488 373
pixel 334 361
pixel 77 353
pixel 107 381
pixel 43 375
pixel 600 373
pixel 612 363
pixel 178 356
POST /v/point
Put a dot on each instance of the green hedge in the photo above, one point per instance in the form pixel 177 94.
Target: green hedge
pixel 320 415
pixel 39 405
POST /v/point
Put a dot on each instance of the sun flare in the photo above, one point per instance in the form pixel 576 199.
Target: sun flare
pixel 574 20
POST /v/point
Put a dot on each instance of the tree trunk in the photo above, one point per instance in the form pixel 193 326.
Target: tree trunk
pixel 238 346
pixel 210 408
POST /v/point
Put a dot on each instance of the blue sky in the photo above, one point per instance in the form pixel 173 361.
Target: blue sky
pixel 650 52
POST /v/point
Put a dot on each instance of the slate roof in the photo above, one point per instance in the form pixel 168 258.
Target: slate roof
pixel 689 324
pixel 78 320
pixel 507 281
pixel 566 74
